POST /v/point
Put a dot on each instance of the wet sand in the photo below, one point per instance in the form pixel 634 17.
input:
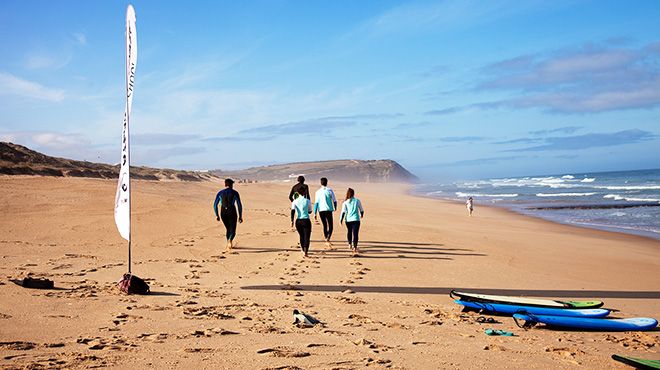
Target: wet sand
pixel 215 309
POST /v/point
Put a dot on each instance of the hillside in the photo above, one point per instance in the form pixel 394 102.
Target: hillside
pixel 337 170
pixel 19 160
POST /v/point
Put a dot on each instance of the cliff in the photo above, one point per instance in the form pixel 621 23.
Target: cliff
pixel 336 170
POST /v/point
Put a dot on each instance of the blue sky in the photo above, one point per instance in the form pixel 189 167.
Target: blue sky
pixel 450 89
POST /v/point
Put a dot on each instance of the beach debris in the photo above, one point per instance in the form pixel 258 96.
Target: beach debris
pixel 302 319
pixel 35 283
pixel 503 333
pixel 483 319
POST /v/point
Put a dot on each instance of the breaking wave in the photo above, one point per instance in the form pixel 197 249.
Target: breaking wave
pixel 632 187
pixel 565 194
pixel 629 199
pixel 465 195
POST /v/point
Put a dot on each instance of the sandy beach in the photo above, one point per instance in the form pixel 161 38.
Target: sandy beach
pixel 388 308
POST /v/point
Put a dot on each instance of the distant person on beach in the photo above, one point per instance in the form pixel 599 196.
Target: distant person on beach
pixel 352 211
pixel 302 207
pixel 325 203
pixel 470 206
pixel 299 188
pixel 229 200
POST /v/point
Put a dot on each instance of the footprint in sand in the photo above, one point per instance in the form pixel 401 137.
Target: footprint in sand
pixel 635 341
pixel 208 312
pixel 376 348
pixel 350 300
pixel 18 345
pixel 282 351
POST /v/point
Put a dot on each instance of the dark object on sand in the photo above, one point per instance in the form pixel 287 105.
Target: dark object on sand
pixel 35 283
pixel 303 319
pixel 131 284
pixel 638 363
pixel 502 333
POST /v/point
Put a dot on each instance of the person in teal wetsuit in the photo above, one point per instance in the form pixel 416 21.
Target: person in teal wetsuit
pixel 302 207
pixel 325 203
pixel 352 212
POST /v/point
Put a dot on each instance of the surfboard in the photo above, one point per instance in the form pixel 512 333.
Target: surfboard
pixel 638 363
pixel 632 324
pixel 510 309
pixel 475 297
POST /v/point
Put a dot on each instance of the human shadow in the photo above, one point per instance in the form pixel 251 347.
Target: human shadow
pixel 377 250
pixel 393 249
pixel 396 243
pixel 242 249
pixel 633 294
pixel 403 246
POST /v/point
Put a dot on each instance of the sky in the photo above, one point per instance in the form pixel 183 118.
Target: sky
pixel 449 89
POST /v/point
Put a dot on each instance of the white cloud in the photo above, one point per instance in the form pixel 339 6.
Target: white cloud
pixel 447 14
pixel 81 38
pixel 45 139
pixel 12 85
pixel 46 61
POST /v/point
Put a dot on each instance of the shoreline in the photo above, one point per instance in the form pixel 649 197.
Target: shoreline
pixel 609 229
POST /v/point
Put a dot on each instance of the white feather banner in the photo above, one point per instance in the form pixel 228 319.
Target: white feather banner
pixel 123 196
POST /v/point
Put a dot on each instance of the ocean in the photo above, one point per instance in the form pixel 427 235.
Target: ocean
pixel 623 201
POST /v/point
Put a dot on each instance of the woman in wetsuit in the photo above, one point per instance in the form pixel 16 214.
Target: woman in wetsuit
pixel 352 212
pixel 229 200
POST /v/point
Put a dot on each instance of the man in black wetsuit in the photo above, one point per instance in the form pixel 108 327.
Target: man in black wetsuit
pixel 229 200
pixel 299 188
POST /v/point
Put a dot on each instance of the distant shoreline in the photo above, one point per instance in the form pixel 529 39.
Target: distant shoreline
pixel 618 230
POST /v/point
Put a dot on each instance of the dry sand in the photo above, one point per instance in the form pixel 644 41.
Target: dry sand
pixel 388 308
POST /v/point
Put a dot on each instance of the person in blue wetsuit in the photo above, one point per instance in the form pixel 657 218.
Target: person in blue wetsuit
pixel 352 212
pixel 300 188
pixel 229 200
pixel 325 203
pixel 302 207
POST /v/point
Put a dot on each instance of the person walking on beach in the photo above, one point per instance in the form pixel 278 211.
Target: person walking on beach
pixel 302 207
pixel 325 204
pixel 229 200
pixel 469 205
pixel 299 188
pixel 352 211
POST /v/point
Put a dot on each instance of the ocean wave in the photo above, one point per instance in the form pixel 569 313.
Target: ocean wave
pixel 465 195
pixel 630 199
pixel 568 177
pixel 650 229
pixel 552 182
pixel 632 187
pixel 588 179
pixel 565 195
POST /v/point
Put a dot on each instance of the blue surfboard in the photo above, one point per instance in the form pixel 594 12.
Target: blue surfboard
pixel 632 324
pixel 510 309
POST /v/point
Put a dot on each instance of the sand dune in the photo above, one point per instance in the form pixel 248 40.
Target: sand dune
pixel 214 309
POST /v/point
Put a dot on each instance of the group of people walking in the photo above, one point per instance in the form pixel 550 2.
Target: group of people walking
pixel 325 204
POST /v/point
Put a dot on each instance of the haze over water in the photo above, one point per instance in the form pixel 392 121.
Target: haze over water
pixel 624 201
